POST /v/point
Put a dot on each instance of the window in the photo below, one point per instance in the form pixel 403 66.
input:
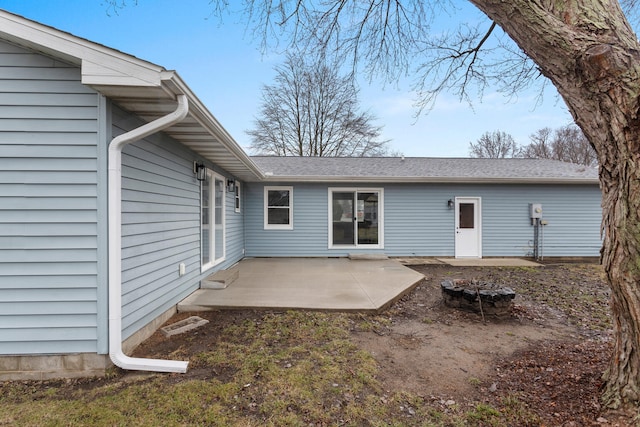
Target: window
pixel 237 197
pixel 466 215
pixel 278 208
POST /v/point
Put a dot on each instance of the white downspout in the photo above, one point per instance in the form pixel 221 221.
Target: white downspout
pixel 115 244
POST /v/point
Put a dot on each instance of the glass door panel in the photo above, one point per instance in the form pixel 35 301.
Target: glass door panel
pixel 205 221
pixel 342 218
pixel 212 221
pixel 218 235
pixel 367 215
pixel 467 214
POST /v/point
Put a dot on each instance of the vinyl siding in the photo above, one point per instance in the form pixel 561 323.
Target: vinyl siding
pixel 417 221
pixel 161 226
pixel 235 229
pixel 49 167
pixel 309 234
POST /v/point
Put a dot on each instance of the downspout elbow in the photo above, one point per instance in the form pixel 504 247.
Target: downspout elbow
pixel 115 243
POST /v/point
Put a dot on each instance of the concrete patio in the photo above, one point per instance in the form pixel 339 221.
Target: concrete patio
pixel 339 284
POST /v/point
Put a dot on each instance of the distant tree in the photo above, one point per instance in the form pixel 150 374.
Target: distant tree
pixel 311 110
pixel 495 145
pixel 571 145
pixel 540 146
pixel 567 143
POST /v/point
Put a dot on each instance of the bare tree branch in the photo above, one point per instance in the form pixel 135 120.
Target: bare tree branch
pixel 312 111
pixel 494 145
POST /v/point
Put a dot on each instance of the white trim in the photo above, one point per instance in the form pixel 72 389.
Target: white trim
pixel 380 191
pixel 268 226
pixel 237 198
pixel 213 260
pixel 478 224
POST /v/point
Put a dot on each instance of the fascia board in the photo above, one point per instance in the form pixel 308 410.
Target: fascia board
pixel 113 75
pixel 429 180
pixel 100 64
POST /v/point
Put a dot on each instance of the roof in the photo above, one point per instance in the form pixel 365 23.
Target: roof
pixel 140 87
pixel 424 169
pixel 150 91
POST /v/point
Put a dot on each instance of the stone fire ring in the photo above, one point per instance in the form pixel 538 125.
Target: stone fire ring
pixel 477 296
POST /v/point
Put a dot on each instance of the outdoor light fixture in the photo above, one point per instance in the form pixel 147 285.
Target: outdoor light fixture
pixel 200 170
pixel 231 185
pixel 450 204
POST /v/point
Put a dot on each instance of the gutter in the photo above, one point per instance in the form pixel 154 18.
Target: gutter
pixel 115 243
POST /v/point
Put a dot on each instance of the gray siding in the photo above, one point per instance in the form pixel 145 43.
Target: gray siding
pixel 49 219
pixel 418 222
pixel 161 226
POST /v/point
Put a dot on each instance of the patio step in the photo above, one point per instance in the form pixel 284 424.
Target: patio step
pixel 368 257
pixel 220 279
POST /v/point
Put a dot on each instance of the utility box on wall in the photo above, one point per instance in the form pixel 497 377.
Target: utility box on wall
pixel 535 210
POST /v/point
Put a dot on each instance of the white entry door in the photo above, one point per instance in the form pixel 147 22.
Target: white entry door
pixel 468 239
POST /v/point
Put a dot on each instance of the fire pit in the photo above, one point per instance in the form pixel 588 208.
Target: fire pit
pixel 474 295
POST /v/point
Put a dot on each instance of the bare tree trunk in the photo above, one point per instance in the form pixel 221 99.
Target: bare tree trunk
pixel 592 56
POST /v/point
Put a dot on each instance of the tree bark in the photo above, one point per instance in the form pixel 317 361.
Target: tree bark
pixel 591 54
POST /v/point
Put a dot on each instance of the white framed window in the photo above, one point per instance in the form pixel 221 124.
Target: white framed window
pixel 356 218
pixel 237 205
pixel 278 208
pixel 212 220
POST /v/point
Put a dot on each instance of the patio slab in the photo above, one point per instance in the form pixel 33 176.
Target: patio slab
pixel 338 284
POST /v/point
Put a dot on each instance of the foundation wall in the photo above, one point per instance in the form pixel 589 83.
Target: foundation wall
pixel 48 367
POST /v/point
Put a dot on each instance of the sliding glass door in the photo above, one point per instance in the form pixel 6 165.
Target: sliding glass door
pixel 355 217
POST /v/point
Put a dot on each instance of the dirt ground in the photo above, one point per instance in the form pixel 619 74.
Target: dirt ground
pixel 550 351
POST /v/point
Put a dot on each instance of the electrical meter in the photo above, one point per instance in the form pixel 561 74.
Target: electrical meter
pixel 536 210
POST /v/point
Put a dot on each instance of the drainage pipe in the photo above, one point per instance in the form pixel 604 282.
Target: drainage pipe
pixel 115 243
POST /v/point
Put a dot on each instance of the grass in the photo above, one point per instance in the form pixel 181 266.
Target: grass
pixel 288 369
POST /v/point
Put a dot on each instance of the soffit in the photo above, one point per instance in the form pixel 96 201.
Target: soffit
pixel 199 131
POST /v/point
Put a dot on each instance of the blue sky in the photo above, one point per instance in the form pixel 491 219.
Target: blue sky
pixel 223 65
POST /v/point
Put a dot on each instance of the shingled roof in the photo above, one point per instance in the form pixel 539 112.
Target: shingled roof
pixel 423 169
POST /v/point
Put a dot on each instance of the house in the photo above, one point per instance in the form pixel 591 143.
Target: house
pixel 422 207
pixel 120 192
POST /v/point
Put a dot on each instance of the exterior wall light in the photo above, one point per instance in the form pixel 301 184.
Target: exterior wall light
pixel 450 204
pixel 231 185
pixel 200 170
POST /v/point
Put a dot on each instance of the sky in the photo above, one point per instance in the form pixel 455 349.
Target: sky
pixel 225 67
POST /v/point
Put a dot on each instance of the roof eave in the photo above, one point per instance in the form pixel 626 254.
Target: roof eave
pixel 428 180
pixel 198 110
pixel 139 86
pixel 100 64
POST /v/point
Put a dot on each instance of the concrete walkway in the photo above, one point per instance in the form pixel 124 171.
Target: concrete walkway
pixel 337 284
pixel 489 262
pixel 469 262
